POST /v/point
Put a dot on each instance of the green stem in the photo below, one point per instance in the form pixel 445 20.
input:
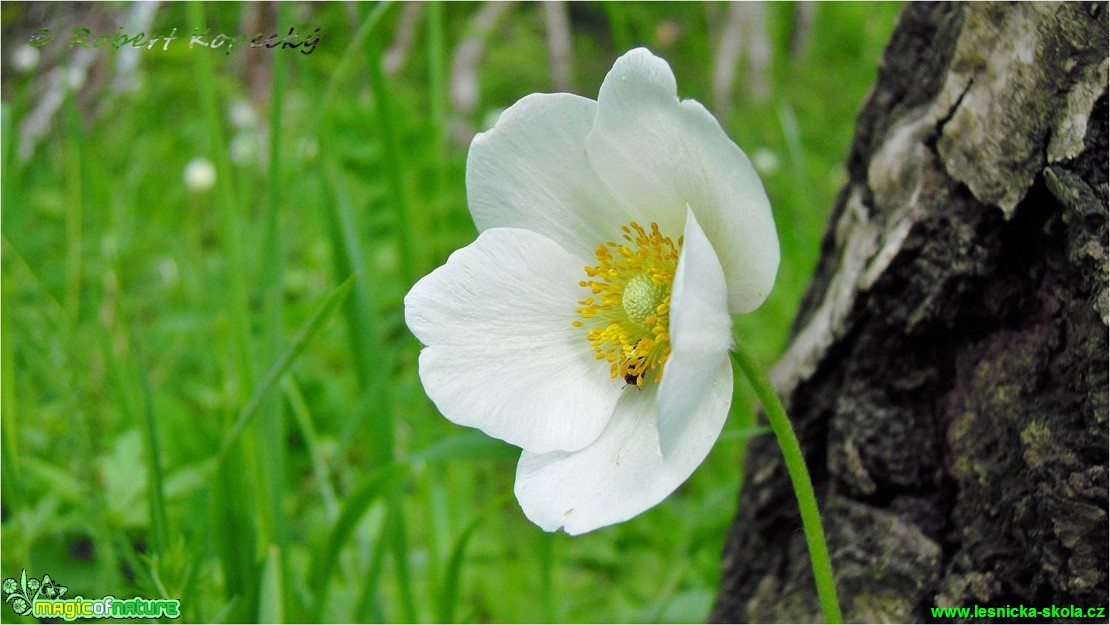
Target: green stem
pixel 799 477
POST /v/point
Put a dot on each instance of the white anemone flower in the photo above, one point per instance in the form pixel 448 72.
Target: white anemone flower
pixel 589 323
pixel 199 175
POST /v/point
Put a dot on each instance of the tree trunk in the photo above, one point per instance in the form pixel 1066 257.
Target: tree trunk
pixel 948 370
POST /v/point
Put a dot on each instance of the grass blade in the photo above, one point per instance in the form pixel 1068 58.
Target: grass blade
pixel 10 465
pixel 229 210
pixel 75 201
pixel 547 576
pixel 348 57
pixel 437 99
pixel 387 121
pixel 271 430
pixel 370 609
pixel 270 595
pixel 156 495
pixel 307 331
pixel 473 445
pixel 357 503
pixel 233 527
pixel 449 593
pixel 312 442
pixel 398 541
pixel 362 323
pixel 348 259
pixel 746 431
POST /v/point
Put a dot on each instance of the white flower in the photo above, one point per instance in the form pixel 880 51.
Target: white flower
pixel 199 175
pixel 241 114
pixel 246 148
pixel 75 77
pixel 25 58
pixel 766 162
pixel 589 322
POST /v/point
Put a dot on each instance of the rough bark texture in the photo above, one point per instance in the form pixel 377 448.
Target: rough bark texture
pixel 948 370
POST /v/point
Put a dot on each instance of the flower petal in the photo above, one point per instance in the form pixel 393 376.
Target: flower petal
pixel 660 155
pixel 622 473
pixel 530 171
pixel 501 353
pixel 700 332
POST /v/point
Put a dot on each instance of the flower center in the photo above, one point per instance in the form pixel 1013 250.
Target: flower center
pixel 627 313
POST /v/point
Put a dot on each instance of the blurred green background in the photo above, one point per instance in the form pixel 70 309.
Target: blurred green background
pixel 144 322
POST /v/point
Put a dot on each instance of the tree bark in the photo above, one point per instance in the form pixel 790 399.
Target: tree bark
pixel 947 373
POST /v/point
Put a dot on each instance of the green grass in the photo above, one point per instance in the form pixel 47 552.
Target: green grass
pixel 214 397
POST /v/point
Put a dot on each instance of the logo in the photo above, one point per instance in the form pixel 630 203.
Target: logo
pixel 45 599
pixel 22 594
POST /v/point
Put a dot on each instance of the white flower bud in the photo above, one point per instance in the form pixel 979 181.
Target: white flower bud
pixel 765 161
pixel 25 59
pixel 241 114
pixel 199 175
pixel 243 149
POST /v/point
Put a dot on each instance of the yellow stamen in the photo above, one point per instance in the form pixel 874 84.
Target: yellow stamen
pixel 628 310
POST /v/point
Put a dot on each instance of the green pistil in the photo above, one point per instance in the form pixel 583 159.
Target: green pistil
pixel 642 298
